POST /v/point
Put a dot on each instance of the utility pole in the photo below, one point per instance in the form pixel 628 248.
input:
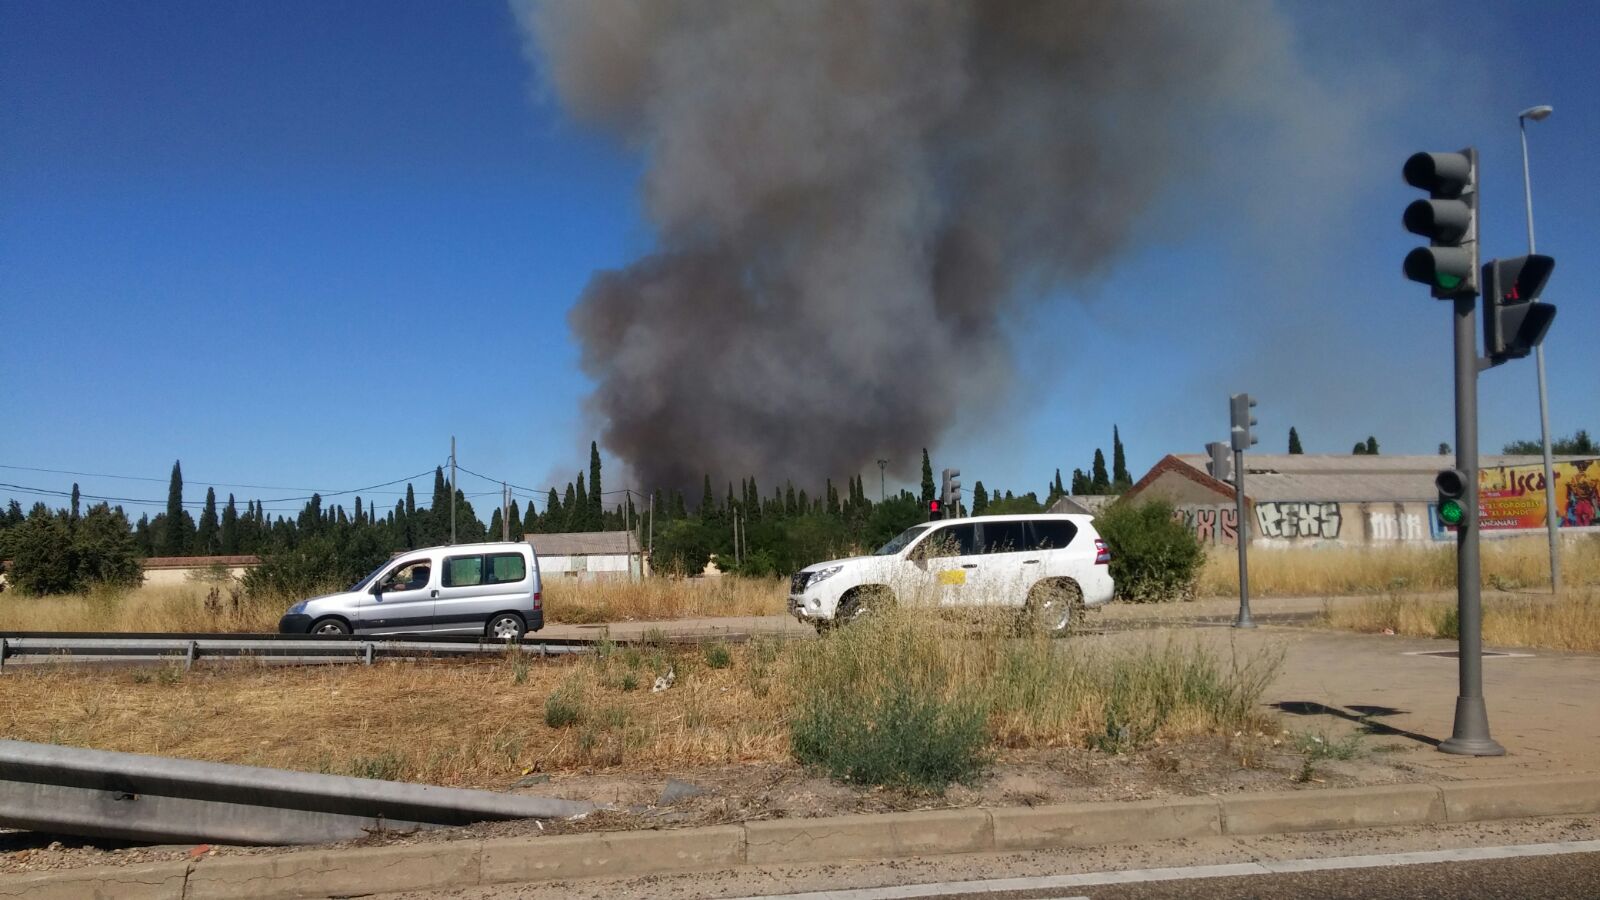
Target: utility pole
pixel 1239 406
pixel 736 537
pixel 882 464
pixel 627 526
pixel 651 554
pixel 452 490
pixel 505 512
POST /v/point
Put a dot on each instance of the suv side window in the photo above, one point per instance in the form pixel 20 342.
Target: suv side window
pixel 1005 537
pixel 955 540
pixel 506 568
pixel 463 571
pixel 1050 534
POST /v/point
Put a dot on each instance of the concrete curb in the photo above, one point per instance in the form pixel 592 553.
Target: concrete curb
pixel 456 864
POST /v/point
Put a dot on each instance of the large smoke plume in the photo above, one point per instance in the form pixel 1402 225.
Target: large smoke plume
pixel 850 195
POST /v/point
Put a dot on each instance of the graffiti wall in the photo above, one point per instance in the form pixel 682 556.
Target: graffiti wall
pixel 1299 521
pixel 1210 524
pixel 1397 525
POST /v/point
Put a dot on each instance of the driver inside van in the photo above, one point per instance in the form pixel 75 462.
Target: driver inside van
pixel 418 579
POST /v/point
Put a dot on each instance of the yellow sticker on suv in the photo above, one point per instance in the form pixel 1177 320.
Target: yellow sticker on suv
pixel 953 576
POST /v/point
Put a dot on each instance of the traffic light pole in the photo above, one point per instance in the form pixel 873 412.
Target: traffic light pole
pixel 1242 537
pixel 1470 737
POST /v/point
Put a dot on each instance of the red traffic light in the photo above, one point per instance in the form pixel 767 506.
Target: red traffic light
pixel 933 509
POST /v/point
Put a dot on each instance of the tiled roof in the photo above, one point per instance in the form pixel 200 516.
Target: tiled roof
pixel 199 562
pixel 583 543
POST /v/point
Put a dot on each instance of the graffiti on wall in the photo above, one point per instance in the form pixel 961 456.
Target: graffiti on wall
pixel 1210 524
pixel 1396 526
pixel 1298 520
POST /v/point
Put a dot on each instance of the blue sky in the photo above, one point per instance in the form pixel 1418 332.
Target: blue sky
pixel 301 244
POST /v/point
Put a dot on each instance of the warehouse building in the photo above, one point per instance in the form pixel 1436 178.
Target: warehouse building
pixel 1310 499
pixel 589 554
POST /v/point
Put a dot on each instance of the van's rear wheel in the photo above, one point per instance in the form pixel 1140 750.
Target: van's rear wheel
pixel 506 627
pixel 1054 608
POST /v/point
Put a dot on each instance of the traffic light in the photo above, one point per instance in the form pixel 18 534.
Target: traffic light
pixel 934 512
pixel 951 495
pixel 1448 219
pixel 1513 324
pixel 1221 464
pixel 1239 406
pixel 1452 485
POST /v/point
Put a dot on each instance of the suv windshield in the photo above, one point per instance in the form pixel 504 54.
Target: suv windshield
pixel 901 540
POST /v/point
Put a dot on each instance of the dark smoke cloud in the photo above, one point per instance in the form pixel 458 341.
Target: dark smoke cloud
pixel 849 196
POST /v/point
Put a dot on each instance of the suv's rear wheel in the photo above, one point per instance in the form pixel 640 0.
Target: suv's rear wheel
pixel 1054 608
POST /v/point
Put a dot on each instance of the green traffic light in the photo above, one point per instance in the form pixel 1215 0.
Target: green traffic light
pixel 1450 512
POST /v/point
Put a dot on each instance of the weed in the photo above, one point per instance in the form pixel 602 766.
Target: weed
pixel 564 707
pixel 1449 623
pixel 629 681
pixel 385 766
pixel 1321 746
pixel 718 656
pixel 1307 773
pixel 169 674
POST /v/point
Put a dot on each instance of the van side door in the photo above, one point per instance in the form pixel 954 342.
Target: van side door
pixel 478 585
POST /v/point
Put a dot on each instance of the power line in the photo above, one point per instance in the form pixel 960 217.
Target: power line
pixel 187 480
pixel 264 504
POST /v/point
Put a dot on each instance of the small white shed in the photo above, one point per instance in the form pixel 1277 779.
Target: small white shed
pixel 588 554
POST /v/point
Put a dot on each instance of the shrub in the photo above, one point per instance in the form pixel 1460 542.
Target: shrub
pixel 887 709
pixel 564 707
pixel 718 656
pixel 1153 556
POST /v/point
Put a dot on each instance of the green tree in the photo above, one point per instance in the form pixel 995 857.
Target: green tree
pixel 1294 442
pixel 1360 449
pixel 1101 483
pixel 228 536
pixel 104 550
pixel 683 547
pixel 578 516
pixel 1579 444
pixel 496 524
pixel 1119 463
pixel 75 498
pixel 1153 556
pixel 206 541
pixel 708 501
pixel 1080 483
pixel 1372 445
pixel 980 498
pixel 927 479
pixel 42 557
pixel 1444 449
pixel 175 539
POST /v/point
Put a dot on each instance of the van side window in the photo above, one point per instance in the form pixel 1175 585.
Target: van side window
pixel 956 540
pixel 507 568
pixel 1050 534
pixel 1005 537
pixel 463 571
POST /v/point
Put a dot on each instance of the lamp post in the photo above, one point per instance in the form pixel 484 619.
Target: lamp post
pixel 1538 114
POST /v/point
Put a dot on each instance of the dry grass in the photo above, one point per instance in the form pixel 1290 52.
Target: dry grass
pixel 488 723
pixel 195 608
pixel 1509 564
pixel 1570 622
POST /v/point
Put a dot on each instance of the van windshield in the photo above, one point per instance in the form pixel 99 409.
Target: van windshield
pixel 901 540
pixel 371 576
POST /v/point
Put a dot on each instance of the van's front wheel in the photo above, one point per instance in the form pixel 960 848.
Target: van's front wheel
pixel 506 627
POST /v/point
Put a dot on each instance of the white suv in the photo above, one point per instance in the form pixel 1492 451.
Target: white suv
pixel 1050 568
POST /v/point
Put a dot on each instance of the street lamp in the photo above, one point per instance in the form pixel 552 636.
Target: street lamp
pixel 1539 114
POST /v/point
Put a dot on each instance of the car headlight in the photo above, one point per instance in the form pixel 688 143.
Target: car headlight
pixel 821 574
pixel 297 609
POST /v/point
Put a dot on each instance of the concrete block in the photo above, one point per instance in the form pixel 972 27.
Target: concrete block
pixel 1327 810
pixel 1549 795
pixel 1089 824
pixel 611 853
pixel 869 836
pixel 148 881
pixel 337 873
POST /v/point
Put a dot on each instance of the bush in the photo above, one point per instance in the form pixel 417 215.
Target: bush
pixel 888 709
pixel 54 555
pixel 1153 556
pixel 564 707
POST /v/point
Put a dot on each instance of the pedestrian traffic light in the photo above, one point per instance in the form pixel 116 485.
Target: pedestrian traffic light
pixel 1452 485
pixel 1221 463
pixel 951 495
pixel 1239 406
pixel 1513 324
pixel 1448 219
pixel 934 511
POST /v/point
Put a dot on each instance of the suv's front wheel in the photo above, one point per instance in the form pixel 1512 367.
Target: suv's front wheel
pixel 862 602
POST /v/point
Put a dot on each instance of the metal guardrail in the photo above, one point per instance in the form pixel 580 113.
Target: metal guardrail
pixel 189 649
pixel 130 796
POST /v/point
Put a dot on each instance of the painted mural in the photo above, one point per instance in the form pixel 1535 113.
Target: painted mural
pixel 1210 524
pixel 1299 521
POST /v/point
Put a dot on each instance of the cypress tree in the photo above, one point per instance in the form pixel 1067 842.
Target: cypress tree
pixel 578 514
pixel 514 521
pixel 708 503
pixel 1119 461
pixel 927 478
pixel 789 508
pixel 1101 483
pixel 205 539
pixel 229 537
pixel 74 516
pixel 1372 445
pixel 530 519
pixel 833 498
pixel 174 542
pixel 496 524
pixel 1294 442
pixel 980 498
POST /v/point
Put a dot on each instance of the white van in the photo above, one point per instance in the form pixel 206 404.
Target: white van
pixel 1048 568
pixel 488 589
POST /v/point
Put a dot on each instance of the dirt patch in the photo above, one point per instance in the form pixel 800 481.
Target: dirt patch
pixel 740 793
